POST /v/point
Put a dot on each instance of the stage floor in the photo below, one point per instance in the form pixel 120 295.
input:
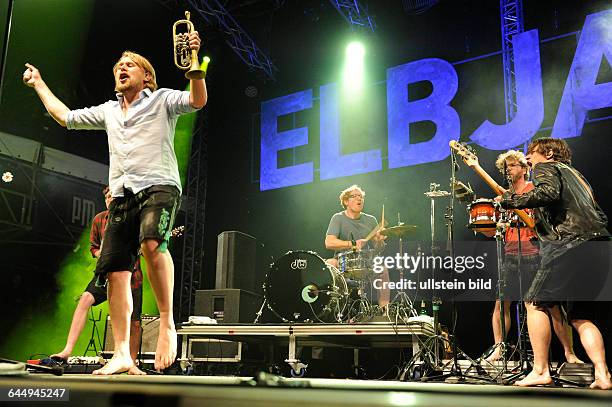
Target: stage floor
pixel 127 390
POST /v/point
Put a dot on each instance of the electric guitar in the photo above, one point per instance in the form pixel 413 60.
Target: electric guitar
pixel 472 161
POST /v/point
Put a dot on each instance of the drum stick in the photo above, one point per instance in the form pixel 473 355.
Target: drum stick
pixel 373 232
pixel 378 227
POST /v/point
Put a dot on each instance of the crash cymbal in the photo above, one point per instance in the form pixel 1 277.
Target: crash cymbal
pixel 399 231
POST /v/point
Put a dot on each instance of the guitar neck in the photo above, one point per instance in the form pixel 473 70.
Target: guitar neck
pixel 499 190
pixel 487 178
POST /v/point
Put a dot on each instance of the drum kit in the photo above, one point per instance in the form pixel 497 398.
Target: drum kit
pixel 302 287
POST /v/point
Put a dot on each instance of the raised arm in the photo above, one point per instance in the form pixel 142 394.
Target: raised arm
pixel 55 107
pixel 198 95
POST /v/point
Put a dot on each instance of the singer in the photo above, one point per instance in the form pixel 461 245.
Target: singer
pixel 521 242
pixel 145 186
pixel 568 219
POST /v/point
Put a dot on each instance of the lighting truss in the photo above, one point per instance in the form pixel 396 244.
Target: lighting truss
pixel 511 12
pixel 243 45
pixel 354 13
pixel 195 210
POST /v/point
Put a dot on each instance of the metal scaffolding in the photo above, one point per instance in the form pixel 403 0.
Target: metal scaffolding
pixel 194 204
pixel 355 14
pixel 215 14
pixel 511 12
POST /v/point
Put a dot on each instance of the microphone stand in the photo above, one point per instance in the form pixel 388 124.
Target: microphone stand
pixel 502 276
pixel 525 363
pixel 404 303
pixel 430 349
pixel 94 332
pixel 435 301
pixel 455 370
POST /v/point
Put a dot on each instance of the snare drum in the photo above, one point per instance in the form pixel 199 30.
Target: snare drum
pixel 484 214
pixel 357 265
pixel 301 287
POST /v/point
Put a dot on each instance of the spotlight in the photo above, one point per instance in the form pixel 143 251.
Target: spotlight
pixel 353 76
pixel 7 177
pixel 355 52
pixel 204 64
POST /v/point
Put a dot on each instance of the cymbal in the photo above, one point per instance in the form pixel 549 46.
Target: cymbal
pixel 399 231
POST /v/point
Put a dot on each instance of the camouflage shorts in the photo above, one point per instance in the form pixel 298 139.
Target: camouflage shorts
pixel 149 214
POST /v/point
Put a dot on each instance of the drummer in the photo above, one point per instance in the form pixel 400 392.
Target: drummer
pixel 348 229
pixel 513 164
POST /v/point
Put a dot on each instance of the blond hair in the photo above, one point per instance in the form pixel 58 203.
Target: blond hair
pixel 143 63
pixel 344 195
pixel 512 155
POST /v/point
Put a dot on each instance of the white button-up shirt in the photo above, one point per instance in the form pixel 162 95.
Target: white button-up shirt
pixel 141 141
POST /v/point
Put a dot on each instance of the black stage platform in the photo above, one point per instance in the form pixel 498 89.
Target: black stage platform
pixel 91 391
pixel 353 336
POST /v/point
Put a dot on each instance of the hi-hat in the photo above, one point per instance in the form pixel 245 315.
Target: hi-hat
pixel 399 231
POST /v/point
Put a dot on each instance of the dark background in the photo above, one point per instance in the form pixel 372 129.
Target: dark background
pixel 76 49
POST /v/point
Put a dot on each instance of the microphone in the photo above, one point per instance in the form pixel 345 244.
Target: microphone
pixel 454 160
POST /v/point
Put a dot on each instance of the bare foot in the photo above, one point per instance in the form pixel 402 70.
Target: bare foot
pixel 602 382
pixel 535 379
pixel 495 356
pixel 135 371
pixel 117 364
pixel 571 358
pixel 166 348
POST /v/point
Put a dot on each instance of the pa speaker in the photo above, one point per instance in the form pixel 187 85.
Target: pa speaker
pixel 150 330
pixel 235 261
pixel 227 305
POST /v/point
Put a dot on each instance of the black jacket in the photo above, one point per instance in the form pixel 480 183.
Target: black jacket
pixel 565 209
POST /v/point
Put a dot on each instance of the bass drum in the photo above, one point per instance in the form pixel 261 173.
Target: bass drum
pixel 301 287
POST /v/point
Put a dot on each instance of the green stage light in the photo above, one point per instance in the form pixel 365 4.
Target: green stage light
pixel 45 328
pixel 183 135
pixel 353 75
pixel 204 64
pixel 355 51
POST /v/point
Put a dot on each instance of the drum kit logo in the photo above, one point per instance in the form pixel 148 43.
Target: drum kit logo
pixel 299 264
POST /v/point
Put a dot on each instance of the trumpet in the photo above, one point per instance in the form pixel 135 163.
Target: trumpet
pixel 184 57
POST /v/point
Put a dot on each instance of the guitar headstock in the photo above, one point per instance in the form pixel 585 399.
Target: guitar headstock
pixel 177 231
pixel 468 156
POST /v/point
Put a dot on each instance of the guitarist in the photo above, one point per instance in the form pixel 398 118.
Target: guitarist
pixel 94 295
pixel 567 219
pixel 513 165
